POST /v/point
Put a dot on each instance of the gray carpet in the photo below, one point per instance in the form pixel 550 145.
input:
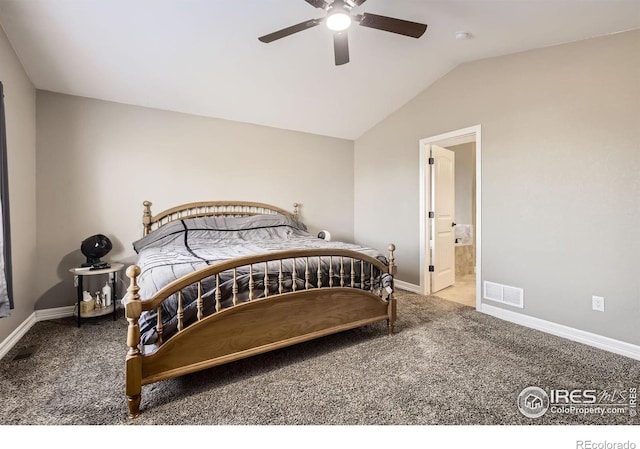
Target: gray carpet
pixel 447 364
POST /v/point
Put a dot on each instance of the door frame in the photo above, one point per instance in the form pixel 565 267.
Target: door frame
pixel 460 136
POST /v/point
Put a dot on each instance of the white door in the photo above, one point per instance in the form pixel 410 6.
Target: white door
pixel 443 204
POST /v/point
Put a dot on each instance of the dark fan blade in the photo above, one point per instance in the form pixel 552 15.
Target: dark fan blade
pixel 341 47
pixel 359 2
pixel 398 26
pixel 318 3
pixel 289 30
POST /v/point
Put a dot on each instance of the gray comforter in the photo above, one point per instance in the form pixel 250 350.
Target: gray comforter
pixel 181 247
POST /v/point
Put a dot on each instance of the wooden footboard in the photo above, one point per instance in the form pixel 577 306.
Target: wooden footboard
pixel 265 322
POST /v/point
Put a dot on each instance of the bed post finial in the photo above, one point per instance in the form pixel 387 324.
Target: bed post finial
pixel 133 362
pixel 392 259
pixel 295 210
pixel 146 217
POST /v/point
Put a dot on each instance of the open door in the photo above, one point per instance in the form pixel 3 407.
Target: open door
pixel 443 206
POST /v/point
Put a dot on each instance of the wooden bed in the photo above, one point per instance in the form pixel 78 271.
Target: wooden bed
pixel 256 326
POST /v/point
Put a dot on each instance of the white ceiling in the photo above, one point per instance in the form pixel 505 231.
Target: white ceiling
pixel 203 56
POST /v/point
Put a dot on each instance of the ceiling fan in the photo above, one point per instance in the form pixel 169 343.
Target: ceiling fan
pixel 339 18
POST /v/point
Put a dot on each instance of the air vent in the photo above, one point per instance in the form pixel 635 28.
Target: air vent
pixel 512 296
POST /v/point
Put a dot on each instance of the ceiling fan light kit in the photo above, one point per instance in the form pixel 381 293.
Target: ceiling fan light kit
pixel 338 19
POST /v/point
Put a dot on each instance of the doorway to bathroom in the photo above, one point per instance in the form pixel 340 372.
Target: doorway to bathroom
pixel 450 212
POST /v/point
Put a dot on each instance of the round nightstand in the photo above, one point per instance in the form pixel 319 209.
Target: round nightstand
pixel 112 272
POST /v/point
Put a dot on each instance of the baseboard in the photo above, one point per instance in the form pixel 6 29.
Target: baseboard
pixel 14 337
pixel 598 341
pixel 39 315
pixel 53 314
pixel 407 286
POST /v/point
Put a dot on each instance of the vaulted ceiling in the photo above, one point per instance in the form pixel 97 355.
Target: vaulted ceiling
pixel 203 56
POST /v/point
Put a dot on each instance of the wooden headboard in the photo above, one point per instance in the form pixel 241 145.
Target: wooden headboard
pixel 209 209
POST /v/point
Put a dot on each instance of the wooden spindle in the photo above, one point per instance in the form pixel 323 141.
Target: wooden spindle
pixel 341 271
pixel 200 303
pixel 371 278
pixel 319 273
pixel 218 294
pixel 180 312
pixel 234 288
pixel 266 279
pixel 251 282
pixel 307 275
pixel 362 275
pixel 353 274
pixel 280 279
pixel 294 275
pixel 330 271
pixel 159 325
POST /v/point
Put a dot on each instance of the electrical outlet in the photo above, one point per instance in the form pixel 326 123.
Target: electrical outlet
pixel 597 303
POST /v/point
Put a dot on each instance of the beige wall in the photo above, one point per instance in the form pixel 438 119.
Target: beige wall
pixel 98 161
pixel 20 108
pixel 560 177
